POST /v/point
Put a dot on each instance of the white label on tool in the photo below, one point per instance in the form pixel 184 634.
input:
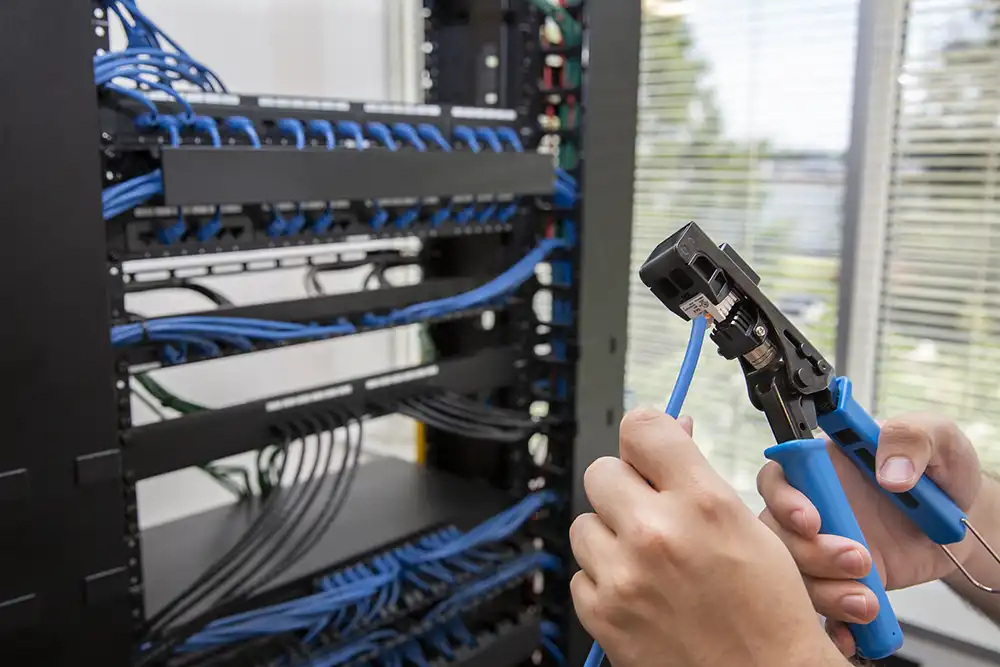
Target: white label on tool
pixel 696 306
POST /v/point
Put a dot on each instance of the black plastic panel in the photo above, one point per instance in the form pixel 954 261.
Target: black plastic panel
pixel 238 175
pixel 192 440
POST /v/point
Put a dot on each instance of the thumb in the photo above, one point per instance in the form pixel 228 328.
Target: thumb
pixel 905 447
pixel 687 423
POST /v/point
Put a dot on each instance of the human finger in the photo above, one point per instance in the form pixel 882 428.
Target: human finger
pixel 911 444
pixel 842 599
pixel 583 590
pixel 659 449
pixel 823 556
pixel 687 423
pixel 789 506
pixel 841 637
pixel 593 544
pixel 616 492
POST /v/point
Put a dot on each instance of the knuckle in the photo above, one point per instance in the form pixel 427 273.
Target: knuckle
pixel 905 433
pixel 651 537
pixel 624 587
pixel 714 505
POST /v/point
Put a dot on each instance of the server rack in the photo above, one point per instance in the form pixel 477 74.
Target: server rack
pixel 79 579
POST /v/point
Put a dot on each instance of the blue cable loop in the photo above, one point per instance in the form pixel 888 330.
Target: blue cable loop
pixel 491 139
pixel 353 129
pixel 409 134
pixel 466 135
pixel 208 125
pixel 170 233
pixel 433 134
pixel 383 134
pixel 279 225
pixel 324 128
pixel 684 377
pixel 242 124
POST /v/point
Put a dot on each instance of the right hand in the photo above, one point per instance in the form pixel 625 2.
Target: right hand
pixel 907 447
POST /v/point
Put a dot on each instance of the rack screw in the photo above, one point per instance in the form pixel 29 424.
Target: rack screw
pixel 760 330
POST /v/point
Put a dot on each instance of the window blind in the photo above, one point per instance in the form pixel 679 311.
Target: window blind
pixel 744 115
pixel 939 343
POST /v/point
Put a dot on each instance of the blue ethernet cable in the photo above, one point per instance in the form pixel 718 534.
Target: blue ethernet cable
pixel 432 134
pixel 353 130
pixel 167 234
pixel 124 196
pixel 360 588
pixel 409 134
pixel 208 125
pixel 550 632
pixel 244 125
pixel 325 129
pixel 495 289
pixel 384 135
pixel 491 139
pixel 681 386
pixel 466 135
pixel 279 225
pixel 143 33
pixel 207 332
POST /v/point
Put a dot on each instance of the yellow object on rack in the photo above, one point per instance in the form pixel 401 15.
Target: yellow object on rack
pixel 421 444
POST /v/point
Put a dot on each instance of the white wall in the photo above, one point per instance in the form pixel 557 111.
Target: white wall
pixel 329 48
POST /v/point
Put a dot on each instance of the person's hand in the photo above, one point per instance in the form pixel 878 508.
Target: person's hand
pixel 908 446
pixel 677 571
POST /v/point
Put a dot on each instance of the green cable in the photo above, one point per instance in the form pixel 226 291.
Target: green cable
pixel 570 28
pixel 220 473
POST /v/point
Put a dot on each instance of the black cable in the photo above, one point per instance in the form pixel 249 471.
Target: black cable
pixel 215 297
pixel 461 406
pixel 341 488
pixel 428 414
pixel 234 558
pixel 380 260
pixel 308 491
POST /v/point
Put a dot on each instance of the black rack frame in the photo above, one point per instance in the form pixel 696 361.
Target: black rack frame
pixel 72 590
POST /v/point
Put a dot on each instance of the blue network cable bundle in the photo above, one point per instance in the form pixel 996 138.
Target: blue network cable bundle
pixel 470 218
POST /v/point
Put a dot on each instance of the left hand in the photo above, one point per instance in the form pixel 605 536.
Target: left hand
pixel 677 572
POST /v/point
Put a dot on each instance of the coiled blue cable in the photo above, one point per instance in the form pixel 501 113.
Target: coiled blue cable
pixel 677 396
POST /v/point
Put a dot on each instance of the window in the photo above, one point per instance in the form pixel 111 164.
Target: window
pixel 744 116
pixel 939 338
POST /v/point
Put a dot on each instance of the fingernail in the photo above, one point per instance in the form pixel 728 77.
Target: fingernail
pixel 855 606
pixel 800 522
pixel 852 563
pixel 897 469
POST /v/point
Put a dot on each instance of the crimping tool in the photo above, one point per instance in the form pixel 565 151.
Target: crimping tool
pixel 795 387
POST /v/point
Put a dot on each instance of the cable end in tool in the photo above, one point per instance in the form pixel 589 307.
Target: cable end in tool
pixel 961 568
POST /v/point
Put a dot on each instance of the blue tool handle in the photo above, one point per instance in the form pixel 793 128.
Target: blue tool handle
pixel 808 468
pixel 857 434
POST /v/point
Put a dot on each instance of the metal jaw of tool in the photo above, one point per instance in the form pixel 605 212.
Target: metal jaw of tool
pixel 795 387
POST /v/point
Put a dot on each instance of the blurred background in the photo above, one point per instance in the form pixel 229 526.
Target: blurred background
pixel 745 126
